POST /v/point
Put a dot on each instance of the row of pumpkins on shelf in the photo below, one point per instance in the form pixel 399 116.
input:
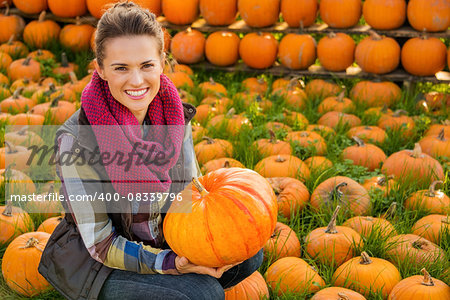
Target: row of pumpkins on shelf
pixel 332 245
pixel 423 15
pixel 421 56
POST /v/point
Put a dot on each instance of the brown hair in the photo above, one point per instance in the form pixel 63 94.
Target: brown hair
pixel 125 19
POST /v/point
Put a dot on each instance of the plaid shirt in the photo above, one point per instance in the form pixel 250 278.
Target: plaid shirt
pixel 104 244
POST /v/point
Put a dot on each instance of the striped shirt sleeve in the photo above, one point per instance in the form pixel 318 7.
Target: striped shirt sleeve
pixel 81 181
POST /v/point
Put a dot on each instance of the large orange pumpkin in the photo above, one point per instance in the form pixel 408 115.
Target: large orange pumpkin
pixel 259 13
pixel 338 293
pixel 31 6
pixel 40 33
pixel 413 165
pixel 11 26
pixel 13 222
pixel 372 93
pixel 424 56
pixel 336 51
pixel 188 46
pixel 292 195
pixel 222 48
pixel 366 155
pixel 429 15
pixel 384 14
pixel 343 191
pixel 423 287
pixel 340 13
pixel 332 245
pixel 293 275
pixel 432 227
pixel 258 50
pixel 283 165
pixel 377 54
pixel 232 214
pixel 299 13
pixel 20 264
pixel 379 275
pixel 297 51
pixel 67 8
pixel 430 200
pixel 218 13
pixel 253 287
pixel 180 12
pixel 282 243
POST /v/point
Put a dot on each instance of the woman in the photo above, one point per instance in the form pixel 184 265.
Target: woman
pixel 110 249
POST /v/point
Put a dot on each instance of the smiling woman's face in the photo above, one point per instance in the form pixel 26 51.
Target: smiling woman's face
pixel 132 67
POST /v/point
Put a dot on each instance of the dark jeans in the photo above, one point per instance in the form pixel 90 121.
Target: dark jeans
pixel 125 285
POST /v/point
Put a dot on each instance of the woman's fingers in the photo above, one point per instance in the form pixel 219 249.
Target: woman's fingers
pixel 183 265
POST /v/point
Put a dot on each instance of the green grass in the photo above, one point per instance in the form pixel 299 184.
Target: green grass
pixel 308 219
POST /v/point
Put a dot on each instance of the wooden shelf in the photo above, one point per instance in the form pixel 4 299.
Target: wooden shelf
pixel 317 71
pixel 240 26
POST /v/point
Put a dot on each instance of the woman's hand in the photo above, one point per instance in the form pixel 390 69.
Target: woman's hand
pixel 184 266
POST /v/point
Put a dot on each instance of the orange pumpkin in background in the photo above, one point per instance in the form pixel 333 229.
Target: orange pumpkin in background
pixel 188 46
pixel 180 12
pixel 67 8
pixel 299 13
pixel 336 51
pixel 429 15
pixel 340 13
pixel 218 13
pixel 259 13
pixel 297 51
pixel 258 50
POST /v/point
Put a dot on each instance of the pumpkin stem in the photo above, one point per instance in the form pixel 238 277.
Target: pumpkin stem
pixel 208 139
pixel 384 109
pixel 199 187
pixel 390 211
pixel 441 135
pixel 273 138
pixel 427 279
pixel 304 134
pixel 343 296
pixel 10 148
pixel 56 101
pixel 446 122
pixel 375 36
pixel 230 113
pixel 382 181
pixel 211 80
pixel 17 92
pixel 227 164
pixel 22 131
pixel 64 60
pixel 341 96
pixel 337 193
pixel 32 242
pixel 331 35
pixel 417 152
pixel 399 112
pixel 51 190
pixel 432 189
pixel 365 259
pixel 73 77
pixel 78 21
pixel 418 244
pixel 359 141
pixel 6 4
pixel 8 209
pixel 258 98
pixel 331 228
pixel 280 159
pixel 301 26
pixel 189 30
pixel 42 16
pixel 26 62
pixel 10 40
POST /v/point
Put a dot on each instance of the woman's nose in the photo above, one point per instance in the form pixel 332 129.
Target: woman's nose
pixel 136 78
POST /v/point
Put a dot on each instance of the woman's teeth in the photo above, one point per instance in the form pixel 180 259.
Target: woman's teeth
pixel 136 93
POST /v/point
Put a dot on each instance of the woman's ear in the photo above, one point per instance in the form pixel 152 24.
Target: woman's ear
pixel 98 69
pixel 163 62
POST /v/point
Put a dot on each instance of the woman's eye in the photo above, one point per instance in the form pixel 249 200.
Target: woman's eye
pixel 120 69
pixel 147 66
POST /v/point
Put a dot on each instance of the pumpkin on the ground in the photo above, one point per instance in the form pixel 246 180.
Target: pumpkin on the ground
pixel 292 195
pixel 332 245
pixel 253 287
pixel 379 275
pixel 20 264
pixel 282 243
